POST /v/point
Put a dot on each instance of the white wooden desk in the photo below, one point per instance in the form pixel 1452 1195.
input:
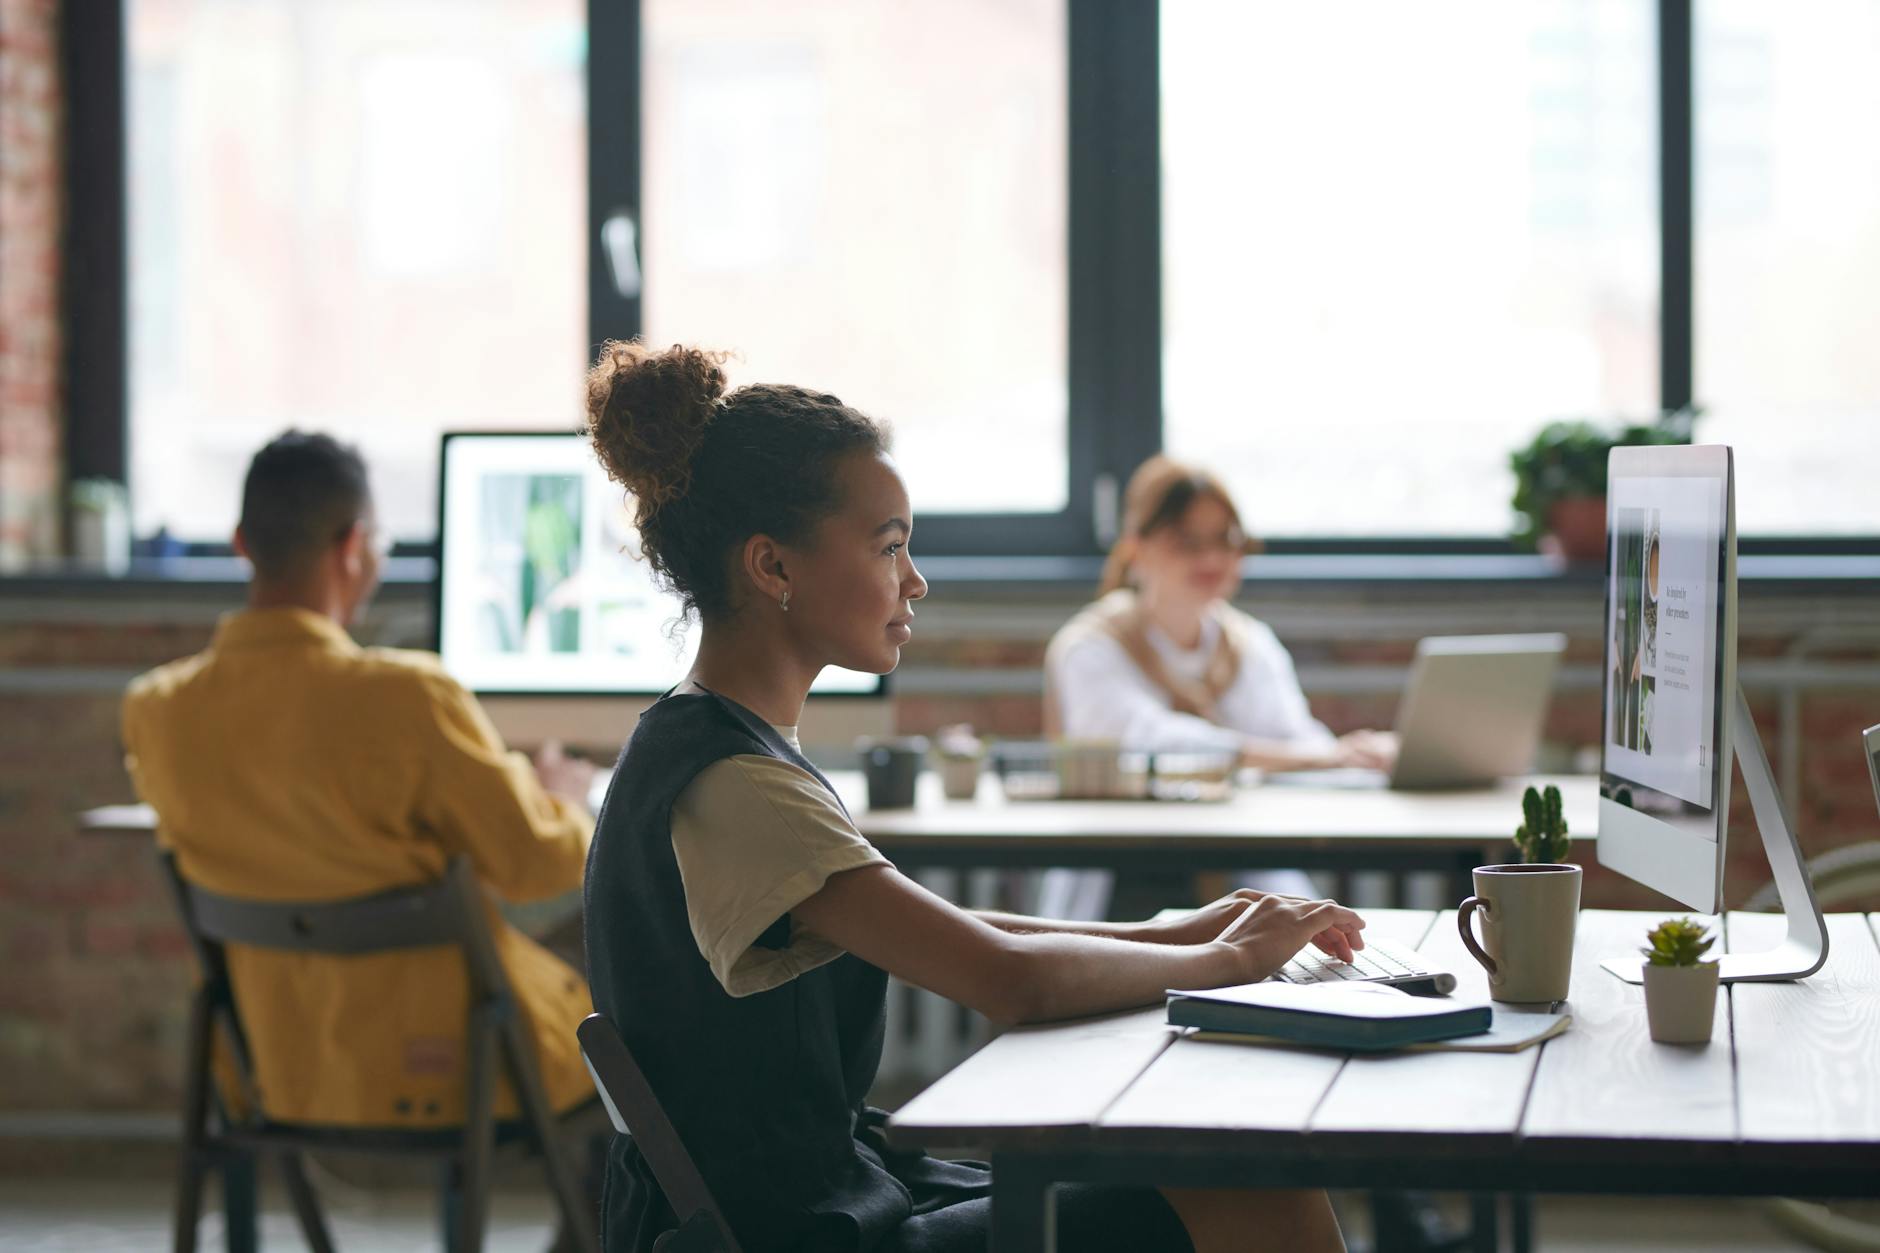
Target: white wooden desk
pixel 1337 829
pixel 1784 1100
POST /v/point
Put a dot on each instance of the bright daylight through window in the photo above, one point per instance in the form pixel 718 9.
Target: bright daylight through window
pixel 355 217
pixel 1393 247
pixel 870 199
pixel 1788 258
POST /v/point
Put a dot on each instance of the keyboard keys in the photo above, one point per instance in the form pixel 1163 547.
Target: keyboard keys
pixel 1380 961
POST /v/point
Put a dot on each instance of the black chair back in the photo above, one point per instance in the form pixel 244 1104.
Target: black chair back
pixel 636 1111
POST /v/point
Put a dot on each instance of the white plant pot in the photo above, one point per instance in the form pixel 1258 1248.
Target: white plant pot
pixel 959 777
pixel 1681 1002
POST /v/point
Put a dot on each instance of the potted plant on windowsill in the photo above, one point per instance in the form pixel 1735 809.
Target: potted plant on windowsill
pixel 1560 480
pixel 1680 987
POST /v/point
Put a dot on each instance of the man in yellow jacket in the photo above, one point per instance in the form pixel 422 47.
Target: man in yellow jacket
pixel 285 762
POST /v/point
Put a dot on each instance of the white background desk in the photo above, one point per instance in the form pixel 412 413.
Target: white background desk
pixel 1337 829
pixel 1784 1100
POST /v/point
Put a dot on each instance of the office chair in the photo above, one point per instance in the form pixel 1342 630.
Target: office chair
pixel 448 912
pixel 635 1111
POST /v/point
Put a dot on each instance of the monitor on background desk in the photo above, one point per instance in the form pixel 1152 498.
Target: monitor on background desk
pixel 546 611
pixel 1675 718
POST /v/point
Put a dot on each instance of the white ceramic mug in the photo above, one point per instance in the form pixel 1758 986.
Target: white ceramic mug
pixel 1528 917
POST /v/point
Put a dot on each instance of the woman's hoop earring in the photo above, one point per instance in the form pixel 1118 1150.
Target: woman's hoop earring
pixel 784 603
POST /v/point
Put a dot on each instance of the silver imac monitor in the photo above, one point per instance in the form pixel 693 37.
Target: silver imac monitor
pixel 1674 715
pixel 1670 658
pixel 545 609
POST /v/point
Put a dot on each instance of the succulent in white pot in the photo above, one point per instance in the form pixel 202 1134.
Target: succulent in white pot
pixel 1680 987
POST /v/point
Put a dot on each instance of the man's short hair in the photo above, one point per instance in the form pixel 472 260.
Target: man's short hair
pixel 302 493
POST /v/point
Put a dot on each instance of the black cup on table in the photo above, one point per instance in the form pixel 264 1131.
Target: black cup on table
pixel 891 767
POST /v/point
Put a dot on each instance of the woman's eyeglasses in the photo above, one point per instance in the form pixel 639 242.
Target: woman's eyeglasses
pixel 1231 543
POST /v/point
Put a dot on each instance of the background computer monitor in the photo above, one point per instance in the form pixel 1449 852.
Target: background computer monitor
pixel 1670 669
pixel 545 609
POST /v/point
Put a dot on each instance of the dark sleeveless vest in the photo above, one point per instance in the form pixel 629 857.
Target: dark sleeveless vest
pixel 765 1090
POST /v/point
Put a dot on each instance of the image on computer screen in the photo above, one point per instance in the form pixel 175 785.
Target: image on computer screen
pixel 1663 639
pixel 542 587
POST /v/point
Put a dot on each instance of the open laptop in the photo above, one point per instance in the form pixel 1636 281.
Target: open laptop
pixel 1471 714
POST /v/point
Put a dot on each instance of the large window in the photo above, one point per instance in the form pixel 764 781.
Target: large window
pixel 1396 242
pixel 350 216
pixel 1788 257
pixel 870 199
pixel 1350 257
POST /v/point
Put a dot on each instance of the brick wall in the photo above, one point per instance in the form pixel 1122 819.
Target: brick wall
pixel 31 207
pixel 93 970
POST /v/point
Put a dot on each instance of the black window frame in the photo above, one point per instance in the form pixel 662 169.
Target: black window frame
pixel 1114 316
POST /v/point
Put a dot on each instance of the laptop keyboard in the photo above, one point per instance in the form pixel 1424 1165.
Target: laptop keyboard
pixel 1378 962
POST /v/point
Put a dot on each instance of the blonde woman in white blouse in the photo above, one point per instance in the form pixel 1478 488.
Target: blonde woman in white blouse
pixel 1163 660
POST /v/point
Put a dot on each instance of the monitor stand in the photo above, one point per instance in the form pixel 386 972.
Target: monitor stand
pixel 1805 948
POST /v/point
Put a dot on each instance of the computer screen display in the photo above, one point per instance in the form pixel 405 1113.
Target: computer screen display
pixel 541 587
pixel 1665 642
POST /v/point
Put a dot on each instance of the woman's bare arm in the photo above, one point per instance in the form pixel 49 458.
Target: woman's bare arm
pixel 1196 926
pixel 892 922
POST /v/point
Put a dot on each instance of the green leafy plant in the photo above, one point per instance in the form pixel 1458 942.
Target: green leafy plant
pixel 1677 942
pixel 1543 837
pixel 1567 461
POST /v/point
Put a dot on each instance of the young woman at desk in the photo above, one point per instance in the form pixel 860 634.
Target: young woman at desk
pixel 741 931
pixel 1163 659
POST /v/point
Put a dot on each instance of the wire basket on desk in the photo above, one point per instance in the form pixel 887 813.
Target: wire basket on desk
pixel 1069 770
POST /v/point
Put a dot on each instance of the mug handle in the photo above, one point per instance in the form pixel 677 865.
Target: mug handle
pixel 1463 911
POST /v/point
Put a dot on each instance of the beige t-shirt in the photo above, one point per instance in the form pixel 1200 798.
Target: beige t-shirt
pixel 754 837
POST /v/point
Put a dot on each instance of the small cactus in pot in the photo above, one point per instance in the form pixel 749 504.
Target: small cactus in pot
pixel 1677 942
pixel 1543 837
pixel 1680 986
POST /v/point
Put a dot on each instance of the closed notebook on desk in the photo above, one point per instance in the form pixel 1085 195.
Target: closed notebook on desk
pixel 1360 1016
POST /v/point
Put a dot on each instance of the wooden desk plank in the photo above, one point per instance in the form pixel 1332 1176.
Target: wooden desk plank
pixel 1432 1095
pixel 1604 1079
pixel 1808 1053
pixel 1033 1083
pixel 1206 1085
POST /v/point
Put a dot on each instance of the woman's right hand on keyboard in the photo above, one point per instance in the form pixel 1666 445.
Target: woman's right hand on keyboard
pixel 1271 929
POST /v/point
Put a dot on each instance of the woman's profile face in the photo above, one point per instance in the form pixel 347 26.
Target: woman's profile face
pixel 853 588
pixel 1195 559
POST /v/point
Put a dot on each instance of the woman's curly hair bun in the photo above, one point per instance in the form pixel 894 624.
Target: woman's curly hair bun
pixel 647 411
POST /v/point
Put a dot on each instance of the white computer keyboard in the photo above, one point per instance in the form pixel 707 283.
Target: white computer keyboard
pixel 1378 962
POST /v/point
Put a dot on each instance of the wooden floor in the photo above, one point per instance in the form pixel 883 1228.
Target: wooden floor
pixel 80 1216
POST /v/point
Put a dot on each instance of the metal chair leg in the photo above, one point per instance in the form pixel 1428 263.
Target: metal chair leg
pixel 188 1211
pixel 306 1203
pixel 577 1209
pixel 191 1159
pixel 479 1133
pixel 241 1216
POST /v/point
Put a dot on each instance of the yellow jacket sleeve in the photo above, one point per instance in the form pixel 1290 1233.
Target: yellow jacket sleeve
pixel 483 800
